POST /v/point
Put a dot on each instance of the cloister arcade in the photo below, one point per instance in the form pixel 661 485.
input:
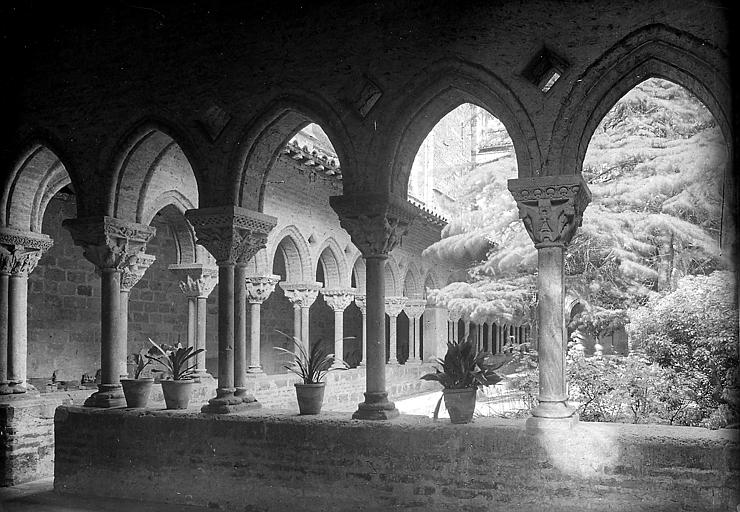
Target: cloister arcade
pixel 161 183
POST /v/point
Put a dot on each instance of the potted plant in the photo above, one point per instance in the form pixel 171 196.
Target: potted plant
pixel 178 382
pixel 463 371
pixel 311 366
pixel 137 390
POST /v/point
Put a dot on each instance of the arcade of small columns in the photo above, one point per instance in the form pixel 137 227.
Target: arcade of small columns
pixel 494 338
pixel 551 208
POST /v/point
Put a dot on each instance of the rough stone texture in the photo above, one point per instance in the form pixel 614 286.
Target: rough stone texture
pixel 272 460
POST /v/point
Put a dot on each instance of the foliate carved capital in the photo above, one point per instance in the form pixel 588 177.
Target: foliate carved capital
pixel 230 233
pixel 376 223
pixel 301 294
pixel 338 298
pixel 259 288
pixel 108 242
pixel 394 305
pixel 20 251
pixel 361 302
pixel 196 279
pixel 551 207
pixel 133 274
pixel 414 308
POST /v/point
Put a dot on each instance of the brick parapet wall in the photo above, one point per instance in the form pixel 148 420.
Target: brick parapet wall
pixel 280 461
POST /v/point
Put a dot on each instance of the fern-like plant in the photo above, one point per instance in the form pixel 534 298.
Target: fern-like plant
pixel 174 360
pixel 310 365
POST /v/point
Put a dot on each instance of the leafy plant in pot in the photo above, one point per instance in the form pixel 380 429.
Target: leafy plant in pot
pixel 464 370
pixel 312 366
pixel 178 382
pixel 137 390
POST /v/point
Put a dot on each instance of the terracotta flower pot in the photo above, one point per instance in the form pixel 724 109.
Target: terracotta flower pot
pixel 310 397
pixel 137 391
pixel 460 404
pixel 177 393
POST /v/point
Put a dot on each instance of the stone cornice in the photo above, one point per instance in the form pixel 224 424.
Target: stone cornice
pixel 195 279
pixel 259 288
pixel 394 305
pixel 338 298
pixel 108 242
pixel 133 274
pixel 26 239
pixel 375 222
pixel 230 233
pixel 551 207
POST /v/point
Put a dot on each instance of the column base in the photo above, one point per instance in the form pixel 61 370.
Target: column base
pixel 255 369
pixel 8 394
pixel 535 425
pixel 554 410
pixel 376 407
pixel 244 395
pixel 17 388
pixel 108 396
pixel 228 406
pixel 393 363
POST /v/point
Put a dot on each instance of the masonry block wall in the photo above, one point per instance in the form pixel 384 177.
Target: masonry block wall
pixel 330 463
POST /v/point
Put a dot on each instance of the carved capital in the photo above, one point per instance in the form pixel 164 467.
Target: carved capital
pixel 376 223
pixel 108 242
pixel 301 294
pixel 230 233
pixel 551 207
pixel 361 302
pixel 394 305
pixel 338 298
pixel 414 308
pixel 196 279
pixel 20 251
pixel 259 288
pixel 133 274
pixel 454 316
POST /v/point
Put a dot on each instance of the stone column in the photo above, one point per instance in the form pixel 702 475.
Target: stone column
pixel 362 305
pixel 129 277
pixel 240 328
pixel 466 333
pixel 231 234
pixel 302 295
pixel 414 308
pixel 20 252
pixel 454 318
pixel 259 288
pixel 489 339
pixel 113 246
pixel 552 209
pixel 394 306
pixel 338 299
pixel 196 281
pixel 376 223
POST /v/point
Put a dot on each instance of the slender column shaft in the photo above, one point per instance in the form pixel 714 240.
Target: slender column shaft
pixel 552 324
pixel 200 339
pixel 225 330
pixel 4 284
pixel 392 359
pixel 339 334
pixel 240 330
pixel 455 326
pixel 364 340
pixel 412 344
pixel 375 290
pixel 304 326
pixel 110 311
pixel 489 338
pixel 123 369
pixel 254 337
pixel 192 322
pixel 296 320
pixel 17 328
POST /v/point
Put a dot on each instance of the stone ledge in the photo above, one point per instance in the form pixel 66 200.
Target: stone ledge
pixel 266 458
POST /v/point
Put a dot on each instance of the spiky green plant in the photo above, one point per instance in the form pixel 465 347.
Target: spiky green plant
pixel 310 365
pixel 464 367
pixel 140 361
pixel 174 360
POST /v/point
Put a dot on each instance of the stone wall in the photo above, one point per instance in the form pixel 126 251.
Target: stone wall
pixel 260 461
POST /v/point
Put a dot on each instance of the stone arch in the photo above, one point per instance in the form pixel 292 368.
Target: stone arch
pixel 654 51
pixel 358 268
pixel 172 212
pixel 150 167
pixel 429 284
pixel 335 269
pixel 436 92
pixel 412 282
pixel 265 137
pixel 37 177
pixel 294 249
pixel 392 274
